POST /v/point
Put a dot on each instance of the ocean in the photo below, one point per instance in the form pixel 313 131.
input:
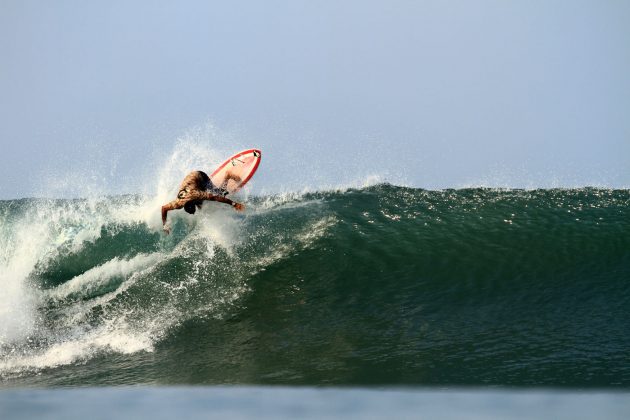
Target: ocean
pixel 376 286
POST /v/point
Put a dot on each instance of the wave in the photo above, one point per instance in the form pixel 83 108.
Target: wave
pixel 85 276
pixel 397 272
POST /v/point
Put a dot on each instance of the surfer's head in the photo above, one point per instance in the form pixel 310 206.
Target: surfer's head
pixel 190 207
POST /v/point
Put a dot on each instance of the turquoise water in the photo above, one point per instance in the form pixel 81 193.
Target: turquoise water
pixel 383 285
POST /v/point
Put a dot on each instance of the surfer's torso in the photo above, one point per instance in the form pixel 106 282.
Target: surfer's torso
pixel 198 187
pixel 195 181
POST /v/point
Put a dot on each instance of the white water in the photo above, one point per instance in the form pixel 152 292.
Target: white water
pixel 44 326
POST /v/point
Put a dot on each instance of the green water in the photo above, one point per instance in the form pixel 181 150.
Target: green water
pixel 379 286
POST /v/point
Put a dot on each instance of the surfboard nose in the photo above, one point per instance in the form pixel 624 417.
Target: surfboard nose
pixel 236 171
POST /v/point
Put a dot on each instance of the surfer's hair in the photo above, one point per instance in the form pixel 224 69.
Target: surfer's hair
pixel 190 207
pixel 204 176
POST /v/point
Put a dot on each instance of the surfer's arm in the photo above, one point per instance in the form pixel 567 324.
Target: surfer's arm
pixel 173 205
pixel 212 197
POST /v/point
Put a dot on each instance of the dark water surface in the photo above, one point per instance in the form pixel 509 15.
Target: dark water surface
pixel 378 286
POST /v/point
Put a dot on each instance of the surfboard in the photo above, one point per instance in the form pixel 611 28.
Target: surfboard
pixel 242 165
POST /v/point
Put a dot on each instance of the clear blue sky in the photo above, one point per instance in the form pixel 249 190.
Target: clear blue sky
pixel 429 93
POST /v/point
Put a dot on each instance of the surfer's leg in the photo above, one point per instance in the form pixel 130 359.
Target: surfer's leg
pixel 229 176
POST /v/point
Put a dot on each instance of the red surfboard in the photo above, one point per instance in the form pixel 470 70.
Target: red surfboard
pixel 242 165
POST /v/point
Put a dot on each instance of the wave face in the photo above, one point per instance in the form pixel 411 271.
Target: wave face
pixel 380 285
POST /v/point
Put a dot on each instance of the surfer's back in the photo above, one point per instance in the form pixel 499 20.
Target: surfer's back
pixel 196 180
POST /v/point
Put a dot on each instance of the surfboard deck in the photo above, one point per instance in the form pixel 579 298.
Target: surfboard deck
pixel 242 165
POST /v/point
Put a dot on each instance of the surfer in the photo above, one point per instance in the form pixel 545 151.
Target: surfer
pixel 196 188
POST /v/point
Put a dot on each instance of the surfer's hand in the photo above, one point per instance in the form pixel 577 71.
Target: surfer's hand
pixel 239 207
pixel 166 229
